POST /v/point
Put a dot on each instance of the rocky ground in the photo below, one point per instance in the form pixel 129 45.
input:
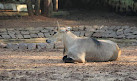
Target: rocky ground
pixel 48 66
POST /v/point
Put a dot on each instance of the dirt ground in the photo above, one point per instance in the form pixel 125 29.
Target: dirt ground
pixel 48 66
pixel 68 18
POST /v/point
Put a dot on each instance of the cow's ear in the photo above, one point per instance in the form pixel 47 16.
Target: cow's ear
pixel 69 28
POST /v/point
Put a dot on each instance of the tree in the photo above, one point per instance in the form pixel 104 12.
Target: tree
pixel 48 8
pixel 29 7
pixel 37 7
pixel 55 5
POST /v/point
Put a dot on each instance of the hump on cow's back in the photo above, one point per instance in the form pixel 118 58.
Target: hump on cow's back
pixel 98 43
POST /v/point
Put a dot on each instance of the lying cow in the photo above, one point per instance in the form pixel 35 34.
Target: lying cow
pixel 82 49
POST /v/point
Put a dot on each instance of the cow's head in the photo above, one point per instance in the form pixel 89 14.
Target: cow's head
pixel 58 36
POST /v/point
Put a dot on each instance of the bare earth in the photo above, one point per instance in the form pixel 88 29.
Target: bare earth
pixel 71 18
pixel 48 66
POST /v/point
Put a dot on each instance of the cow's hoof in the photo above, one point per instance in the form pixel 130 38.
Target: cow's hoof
pixel 69 60
pixel 64 57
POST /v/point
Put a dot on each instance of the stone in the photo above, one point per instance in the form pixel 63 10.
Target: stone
pixel 90 29
pixel 120 32
pixel 10 29
pixel 33 35
pixel 121 36
pixel 12 36
pixel 75 28
pixel 19 36
pixel 17 32
pixel 41 35
pixel 112 35
pixel 27 37
pixel 3 33
pixel 32 46
pixel 125 27
pixel 131 36
pixel 135 32
pixel 47 35
pixel 82 33
pixel 88 34
pixel 50 46
pixel 97 35
pixel 77 33
pixel 6 36
pixel 127 31
pixel 81 28
pixel 50 28
pixel 112 28
pixel 24 32
pixel 118 27
pixel 11 32
pixel 39 28
pixel 34 31
pixel 51 32
pixel 45 31
pixel 41 46
pixel 3 45
pixel 13 46
pixel 23 46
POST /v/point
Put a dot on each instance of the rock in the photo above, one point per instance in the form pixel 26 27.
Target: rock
pixel 27 37
pixel 125 27
pixel 12 36
pixel 112 28
pixel 44 31
pixel 6 36
pixel 120 32
pixel 24 32
pixel 40 35
pixel 97 35
pixel 34 31
pixel 23 46
pixel 135 32
pixel 81 28
pixel 12 46
pixel 31 46
pixel 17 32
pixel 82 33
pixel 127 31
pixel 2 45
pixel 33 35
pixel 90 29
pixel 120 36
pixel 41 46
pixel 131 36
pixel 88 34
pixel 47 35
pixel 77 33
pixel 75 28
pixel 112 35
pixel 50 46
pixel 19 36
pixel 118 27
pixel 11 32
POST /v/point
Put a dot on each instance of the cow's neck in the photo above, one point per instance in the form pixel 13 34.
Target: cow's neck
pixel 68 39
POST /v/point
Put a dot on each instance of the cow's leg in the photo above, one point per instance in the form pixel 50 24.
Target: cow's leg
pixel 67 60
pixel 64 57
pixel 77 57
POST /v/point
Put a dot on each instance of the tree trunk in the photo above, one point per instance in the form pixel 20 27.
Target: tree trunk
pixel 48 8
pixel 37 7
pixel 29 7
pixel 55 5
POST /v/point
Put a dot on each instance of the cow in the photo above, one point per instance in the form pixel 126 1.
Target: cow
pixel 85 49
